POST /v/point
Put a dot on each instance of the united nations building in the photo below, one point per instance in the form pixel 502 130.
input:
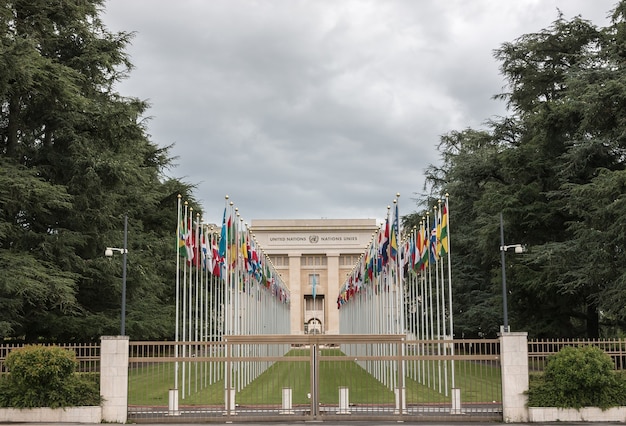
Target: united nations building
pixel 313 257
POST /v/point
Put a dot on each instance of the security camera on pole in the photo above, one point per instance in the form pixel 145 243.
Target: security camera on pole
pixel 109 253
pixel 503 248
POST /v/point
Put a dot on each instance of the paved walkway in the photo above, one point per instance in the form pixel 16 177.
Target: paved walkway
pixel 348 423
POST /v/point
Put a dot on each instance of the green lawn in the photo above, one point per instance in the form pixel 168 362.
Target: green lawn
pixel 478 382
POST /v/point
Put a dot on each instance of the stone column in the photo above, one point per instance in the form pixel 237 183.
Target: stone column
pixel 514 363
pixel 332 292
pixel 295 289
pixel 114 378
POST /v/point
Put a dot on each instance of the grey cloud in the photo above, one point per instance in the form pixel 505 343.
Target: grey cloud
pixel 305 109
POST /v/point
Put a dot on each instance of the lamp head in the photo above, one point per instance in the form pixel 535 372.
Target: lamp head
pixel 520 249
pixel 108 252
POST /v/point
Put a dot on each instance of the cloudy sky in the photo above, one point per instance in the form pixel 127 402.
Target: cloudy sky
pixel 305 109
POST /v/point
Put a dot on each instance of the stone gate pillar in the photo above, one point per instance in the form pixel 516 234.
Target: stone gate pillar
pixel 514 363
pixel 114 378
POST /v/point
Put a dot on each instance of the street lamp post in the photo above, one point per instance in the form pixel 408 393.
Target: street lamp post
pixel 108 253
pixel 503 248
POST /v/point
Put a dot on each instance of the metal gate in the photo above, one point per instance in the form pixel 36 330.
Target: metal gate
pixel 315 377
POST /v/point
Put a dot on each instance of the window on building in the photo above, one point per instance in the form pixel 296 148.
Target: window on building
pixel 314 280
pixel 313 260
pixel 311 304
pixel 348 260
pixel 279 261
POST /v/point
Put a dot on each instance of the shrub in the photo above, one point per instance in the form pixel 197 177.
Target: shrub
pixel 43 376
pixel 578 377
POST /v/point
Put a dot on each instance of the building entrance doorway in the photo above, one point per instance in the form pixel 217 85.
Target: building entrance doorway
pixel 314 326
pixel 314 314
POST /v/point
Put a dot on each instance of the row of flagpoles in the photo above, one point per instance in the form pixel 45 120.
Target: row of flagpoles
pixel 402 285
pixel 403 262
pixel 225 285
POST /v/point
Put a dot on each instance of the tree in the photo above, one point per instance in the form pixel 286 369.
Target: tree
pixel 572 133
pixel 554 167
pixel 470 173
pixel 75 158
pixel 28 281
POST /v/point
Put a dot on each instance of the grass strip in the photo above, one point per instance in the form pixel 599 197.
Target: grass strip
pixel 427 382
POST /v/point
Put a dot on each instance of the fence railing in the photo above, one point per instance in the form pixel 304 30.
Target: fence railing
pixel 539 351
pixel 320 376
pixel 315 377
pixel 87 355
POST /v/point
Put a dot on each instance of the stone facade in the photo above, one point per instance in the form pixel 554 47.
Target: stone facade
pixel 314 254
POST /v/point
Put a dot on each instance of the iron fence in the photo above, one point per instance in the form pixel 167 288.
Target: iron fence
pixel 313 377
pixel 87 357
pixel 327 377
pixel 539 351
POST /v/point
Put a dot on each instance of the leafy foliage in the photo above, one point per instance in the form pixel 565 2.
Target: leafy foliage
pixel 555 169
pixel 578 377
pixel 75 158
pixel 43 376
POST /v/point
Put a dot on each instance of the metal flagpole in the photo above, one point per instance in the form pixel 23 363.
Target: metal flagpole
pixel 451 322
pixel 400 295
pixel 437 296
pixel 176 336
pixel 196 259
pixel 184 300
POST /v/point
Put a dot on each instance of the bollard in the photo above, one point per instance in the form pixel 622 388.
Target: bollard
pixel 287 398
pixel 456 401
pixel 344 402
pixel 400 392
pixel 231 400
pixel 172 403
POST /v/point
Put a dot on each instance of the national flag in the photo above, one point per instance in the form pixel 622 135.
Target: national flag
pixel 407 254
pixel 182 236
pixel 223 237
pixel 231 239
pixel 253 258
pixel 217 262
pixel 204 249
pixel 268 276
pixel 393 245
pixel 413 250
pixel 189 242
pixel 244 250
pixel 369 263
pixel 424 256
pixel 434 255
pixel 438 232
pixel 210 254
pixel 383 245
pixel 443 234
pixel 395 229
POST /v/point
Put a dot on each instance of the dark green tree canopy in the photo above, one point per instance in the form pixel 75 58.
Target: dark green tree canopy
pixel 74 159
pixel 555 168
